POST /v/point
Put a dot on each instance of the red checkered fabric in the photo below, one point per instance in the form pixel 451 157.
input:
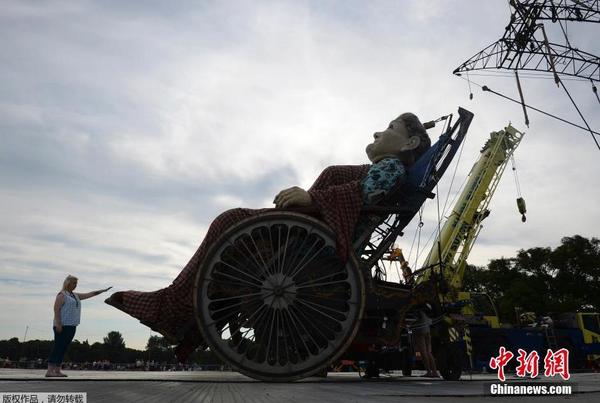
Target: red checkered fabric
pixel 337 193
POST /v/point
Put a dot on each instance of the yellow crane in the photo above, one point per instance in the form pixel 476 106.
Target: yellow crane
pixel 448 255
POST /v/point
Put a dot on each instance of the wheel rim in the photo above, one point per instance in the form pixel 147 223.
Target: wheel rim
pixel 276 302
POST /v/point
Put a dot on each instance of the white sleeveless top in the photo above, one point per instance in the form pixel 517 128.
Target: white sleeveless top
pixel 70 311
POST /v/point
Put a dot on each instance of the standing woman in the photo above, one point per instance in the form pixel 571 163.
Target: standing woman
pixel 67 314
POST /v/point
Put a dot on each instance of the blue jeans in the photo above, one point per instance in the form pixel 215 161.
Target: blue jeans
pixel 61 343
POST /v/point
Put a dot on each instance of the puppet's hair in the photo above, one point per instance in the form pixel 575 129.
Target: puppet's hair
pixel 415 128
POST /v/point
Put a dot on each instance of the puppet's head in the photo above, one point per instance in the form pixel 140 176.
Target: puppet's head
pixel 405 138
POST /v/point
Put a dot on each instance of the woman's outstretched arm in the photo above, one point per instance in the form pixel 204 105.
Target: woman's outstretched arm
pixel 86 295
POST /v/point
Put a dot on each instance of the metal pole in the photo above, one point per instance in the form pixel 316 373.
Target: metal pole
pixel 522 99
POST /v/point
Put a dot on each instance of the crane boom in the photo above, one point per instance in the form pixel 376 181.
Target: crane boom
pixel 456 238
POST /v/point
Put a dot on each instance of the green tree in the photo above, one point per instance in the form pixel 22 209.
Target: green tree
pixel 157 343
pixel 36 349
pixel 159 349
pixel 79 352
pixel 542 280
pixel 98 352
pixel 10 349
pixel 114 340
pixel 577 284
pixel 114 346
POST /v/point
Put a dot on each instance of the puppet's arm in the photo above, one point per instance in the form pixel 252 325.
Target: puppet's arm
pixel 331 181
pixel 338 175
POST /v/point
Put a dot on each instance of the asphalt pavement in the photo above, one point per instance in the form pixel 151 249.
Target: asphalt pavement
pixel 209 386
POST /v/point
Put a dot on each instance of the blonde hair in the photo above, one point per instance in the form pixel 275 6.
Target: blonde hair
pixel 69 279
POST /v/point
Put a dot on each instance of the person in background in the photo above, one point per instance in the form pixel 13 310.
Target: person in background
pixel 67 314
pixel 422 342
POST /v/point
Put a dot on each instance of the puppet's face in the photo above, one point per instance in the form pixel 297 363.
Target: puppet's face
pixel 392 142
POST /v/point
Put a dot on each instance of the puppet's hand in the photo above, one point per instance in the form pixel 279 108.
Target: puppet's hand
pixel 293 196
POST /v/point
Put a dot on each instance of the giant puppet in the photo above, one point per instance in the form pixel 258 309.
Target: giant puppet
pixel 338 194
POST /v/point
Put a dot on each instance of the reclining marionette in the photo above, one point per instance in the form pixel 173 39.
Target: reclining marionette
pixel 338 194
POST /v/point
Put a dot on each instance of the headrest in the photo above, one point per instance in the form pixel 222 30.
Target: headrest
pixel 418 171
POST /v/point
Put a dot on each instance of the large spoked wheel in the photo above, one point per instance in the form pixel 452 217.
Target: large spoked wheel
pixel 273 299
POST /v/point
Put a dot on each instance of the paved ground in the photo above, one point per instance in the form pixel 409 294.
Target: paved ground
pixel 232 387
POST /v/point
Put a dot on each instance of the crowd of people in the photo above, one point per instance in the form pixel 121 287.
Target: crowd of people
pixel 105 365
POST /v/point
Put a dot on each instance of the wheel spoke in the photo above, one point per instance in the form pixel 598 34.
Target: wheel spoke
pixel 297 333
pixel 223 317
pixel 271 321
pixel 237 296
pixel 245 302
pixel 313 325
pixel 286 332
pixel 261 327
pixel 247 320
pixel 241 271
pixel 285 245
pixel 273 254
pixel 256 262
pixel 292 272
pixel 235 252
pixel 237 279
pixel 298 251
pixel 249 328
pixel 303 264
pixel 277 329
pixel 265 325
pixel 308 333
pixel 265 266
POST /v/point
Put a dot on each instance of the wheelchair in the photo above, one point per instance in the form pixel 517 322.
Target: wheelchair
pixel 275 302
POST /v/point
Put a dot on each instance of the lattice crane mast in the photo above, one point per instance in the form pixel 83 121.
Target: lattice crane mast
pixel 523 48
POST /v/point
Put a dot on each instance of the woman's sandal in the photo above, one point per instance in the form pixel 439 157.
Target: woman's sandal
pixel 54 375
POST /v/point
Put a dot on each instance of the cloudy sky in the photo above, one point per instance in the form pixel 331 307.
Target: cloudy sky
pixel 126 127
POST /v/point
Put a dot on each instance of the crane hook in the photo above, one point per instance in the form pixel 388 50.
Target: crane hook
pixel 522 208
